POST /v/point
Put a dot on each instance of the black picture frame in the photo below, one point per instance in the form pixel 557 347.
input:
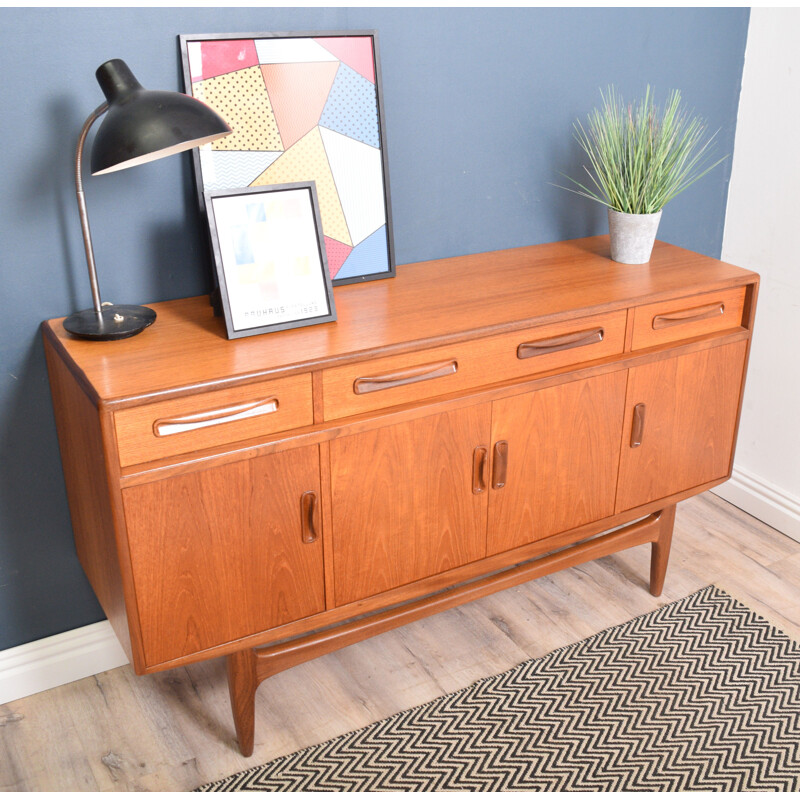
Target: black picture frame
pixel 372 244
pixel 250 240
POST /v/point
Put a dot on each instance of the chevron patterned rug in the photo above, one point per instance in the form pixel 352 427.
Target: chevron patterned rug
pixel 700 694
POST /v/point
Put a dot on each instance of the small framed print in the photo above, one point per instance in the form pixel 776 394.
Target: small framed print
pixel 270 258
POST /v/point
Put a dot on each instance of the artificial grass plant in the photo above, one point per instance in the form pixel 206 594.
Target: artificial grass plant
pixel 640 156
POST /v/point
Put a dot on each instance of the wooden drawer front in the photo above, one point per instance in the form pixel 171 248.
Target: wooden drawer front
pixel 661 323
pixel 384 382
pixel 172 427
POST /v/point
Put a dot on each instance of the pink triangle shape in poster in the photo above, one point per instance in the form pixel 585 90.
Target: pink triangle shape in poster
pixel 355 51
pixel 222 56
pixel 298 93
pixel 337 253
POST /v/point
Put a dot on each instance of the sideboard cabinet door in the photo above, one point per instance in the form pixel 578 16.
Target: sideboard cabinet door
pixel 409 501
pixel 224 552
pixel 680 420
pixel 559 461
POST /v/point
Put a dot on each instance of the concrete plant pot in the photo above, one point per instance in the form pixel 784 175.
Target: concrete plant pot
pixel 632 236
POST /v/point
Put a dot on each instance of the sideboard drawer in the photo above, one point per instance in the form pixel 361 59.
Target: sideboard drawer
pixel 662 323
pixel 383 382
pixel 173 427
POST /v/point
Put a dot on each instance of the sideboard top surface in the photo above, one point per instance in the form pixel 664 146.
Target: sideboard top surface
pixel 428 303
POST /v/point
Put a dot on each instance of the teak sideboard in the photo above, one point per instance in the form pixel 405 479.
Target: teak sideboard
pixel 471 424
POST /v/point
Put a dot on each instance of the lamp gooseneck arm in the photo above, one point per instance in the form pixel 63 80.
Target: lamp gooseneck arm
pixel 87 236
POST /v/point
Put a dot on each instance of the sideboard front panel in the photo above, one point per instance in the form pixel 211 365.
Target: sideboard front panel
pixel 404 504
pixel 680 423
pixel 562 455
pixel 221 553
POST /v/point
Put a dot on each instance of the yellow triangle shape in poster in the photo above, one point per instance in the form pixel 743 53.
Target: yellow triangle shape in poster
pixel 307 161
pixel 241 99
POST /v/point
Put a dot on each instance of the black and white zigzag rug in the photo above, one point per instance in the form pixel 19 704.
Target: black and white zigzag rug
pixel 701 694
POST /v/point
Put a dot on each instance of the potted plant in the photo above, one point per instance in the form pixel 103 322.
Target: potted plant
pixel 640 158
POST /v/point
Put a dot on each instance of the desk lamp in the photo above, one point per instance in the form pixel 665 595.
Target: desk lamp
pixel 140 126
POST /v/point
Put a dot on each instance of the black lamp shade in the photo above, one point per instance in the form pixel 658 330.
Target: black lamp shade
pixel 142 125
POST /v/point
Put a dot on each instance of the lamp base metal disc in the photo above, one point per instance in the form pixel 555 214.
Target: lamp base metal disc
pixel 114 322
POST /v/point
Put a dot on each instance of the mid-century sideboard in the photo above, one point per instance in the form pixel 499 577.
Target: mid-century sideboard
pixel 471 424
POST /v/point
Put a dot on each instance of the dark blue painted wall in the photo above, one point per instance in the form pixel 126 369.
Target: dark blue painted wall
pixel 479 106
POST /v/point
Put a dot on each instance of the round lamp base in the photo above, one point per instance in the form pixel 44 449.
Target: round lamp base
pixel 114 322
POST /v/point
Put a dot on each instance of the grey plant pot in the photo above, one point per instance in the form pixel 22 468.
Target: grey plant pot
pixel 632 236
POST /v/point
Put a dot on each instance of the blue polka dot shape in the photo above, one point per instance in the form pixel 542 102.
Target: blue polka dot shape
pixel 352 107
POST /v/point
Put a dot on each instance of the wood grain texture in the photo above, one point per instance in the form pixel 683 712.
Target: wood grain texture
pixel 163 732
pixel 660 549
pixel 199 462
pixel 563 454
pixel 211 535
pixel 629 329
pixel 253 448
pixel 479 363
pixel 692 404
pixel 673 320
pixel 427 305
pixel 242 684
pixel 138 441
pixel 80 439
pixel 327 523
pixel 248 668
pixel 434 583
pixel 402 502
pixel 218 555
pixel 316 386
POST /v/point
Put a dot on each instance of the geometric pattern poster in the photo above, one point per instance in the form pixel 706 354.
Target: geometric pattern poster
pixel 302 107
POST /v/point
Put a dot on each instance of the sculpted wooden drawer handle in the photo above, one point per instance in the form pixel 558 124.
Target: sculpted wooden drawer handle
pixel 191 422
pixel 689 315
pixel 637 428
pixel 555 343
pixel 308 503
pixel 480 462
pixel 424 372
pixel 500 465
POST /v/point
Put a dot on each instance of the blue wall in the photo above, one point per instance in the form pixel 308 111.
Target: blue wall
pixel 479 106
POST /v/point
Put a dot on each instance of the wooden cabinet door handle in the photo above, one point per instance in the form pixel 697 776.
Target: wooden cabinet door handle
pixel 308 505
pixel 637 428
pixel 689 315
pixel 500 465
pixel 424 372
pixel 480 464
pixel 217 416
pixel 564 342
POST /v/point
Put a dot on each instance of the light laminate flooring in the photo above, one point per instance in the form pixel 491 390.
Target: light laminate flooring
pixel 174 731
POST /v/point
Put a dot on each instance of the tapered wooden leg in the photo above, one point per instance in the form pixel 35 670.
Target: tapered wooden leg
pixel 242 685
pixel 659 555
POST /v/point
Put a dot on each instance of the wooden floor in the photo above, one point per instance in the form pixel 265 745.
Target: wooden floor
pixel 174 731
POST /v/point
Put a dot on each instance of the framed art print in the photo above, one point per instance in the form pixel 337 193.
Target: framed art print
pixel 270 258
pixel 303 107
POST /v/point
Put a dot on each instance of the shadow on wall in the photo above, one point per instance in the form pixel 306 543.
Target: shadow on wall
pixel 33 503
pixel 50 174
pixel 574 217
pixel 179 262
pixel 570 215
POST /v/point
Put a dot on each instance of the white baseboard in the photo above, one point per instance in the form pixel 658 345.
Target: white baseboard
pixel 56 660
pixel 763 500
